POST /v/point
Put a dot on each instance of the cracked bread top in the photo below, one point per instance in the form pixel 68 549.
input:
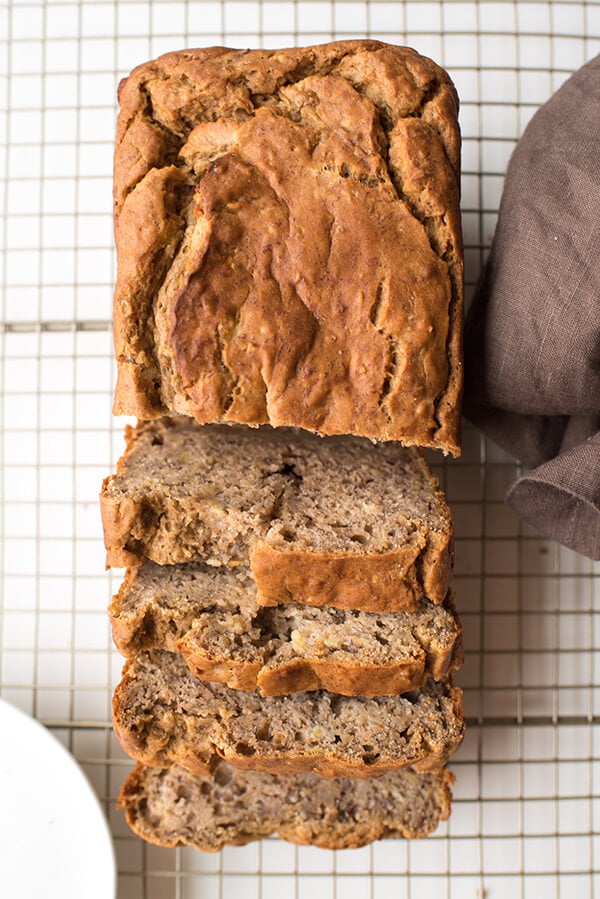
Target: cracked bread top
pixel 288 236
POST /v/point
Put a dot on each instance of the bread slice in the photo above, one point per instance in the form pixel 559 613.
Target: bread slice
pixel 171 807
pixel 212 617
pixel 289 244
pixel 339 522
pixel 164 715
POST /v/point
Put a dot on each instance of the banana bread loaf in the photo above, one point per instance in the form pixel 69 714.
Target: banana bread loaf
pixel 163 715
pixel 212 617
pixel 171 807
pixel 339 522
pixel 289 245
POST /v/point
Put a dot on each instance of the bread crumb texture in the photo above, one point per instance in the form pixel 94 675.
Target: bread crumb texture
pixel 171 807
pixel 339 522
pixel 289 246
pixel 212 617
pixel 163 715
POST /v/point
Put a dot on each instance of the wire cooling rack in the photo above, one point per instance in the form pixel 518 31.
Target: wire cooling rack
pixel 526 819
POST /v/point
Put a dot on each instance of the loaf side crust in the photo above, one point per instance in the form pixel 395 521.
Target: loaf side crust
pixel 334 172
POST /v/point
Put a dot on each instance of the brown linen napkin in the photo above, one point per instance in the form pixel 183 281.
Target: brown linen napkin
pixel 532 337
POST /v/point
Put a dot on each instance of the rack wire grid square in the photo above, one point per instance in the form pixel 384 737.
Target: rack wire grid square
pixel 526 818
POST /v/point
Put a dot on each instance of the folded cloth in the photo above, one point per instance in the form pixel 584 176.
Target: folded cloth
pixel 532 336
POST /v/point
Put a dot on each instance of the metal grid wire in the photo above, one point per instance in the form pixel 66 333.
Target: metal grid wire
pixel 526 818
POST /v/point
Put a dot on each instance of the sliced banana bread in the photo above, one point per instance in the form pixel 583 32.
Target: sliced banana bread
pixel 339 522
pixel 171 807
pixel 164 715
pixel 212 617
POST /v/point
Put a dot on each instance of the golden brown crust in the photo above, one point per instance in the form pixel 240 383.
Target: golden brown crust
pixel 239 675
pixel 382 582
pixel 118 521
pixel 300 675
pixel 435 564
pixel 128 635
pixel 334 172
pixel 344 678
pixel 347 678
